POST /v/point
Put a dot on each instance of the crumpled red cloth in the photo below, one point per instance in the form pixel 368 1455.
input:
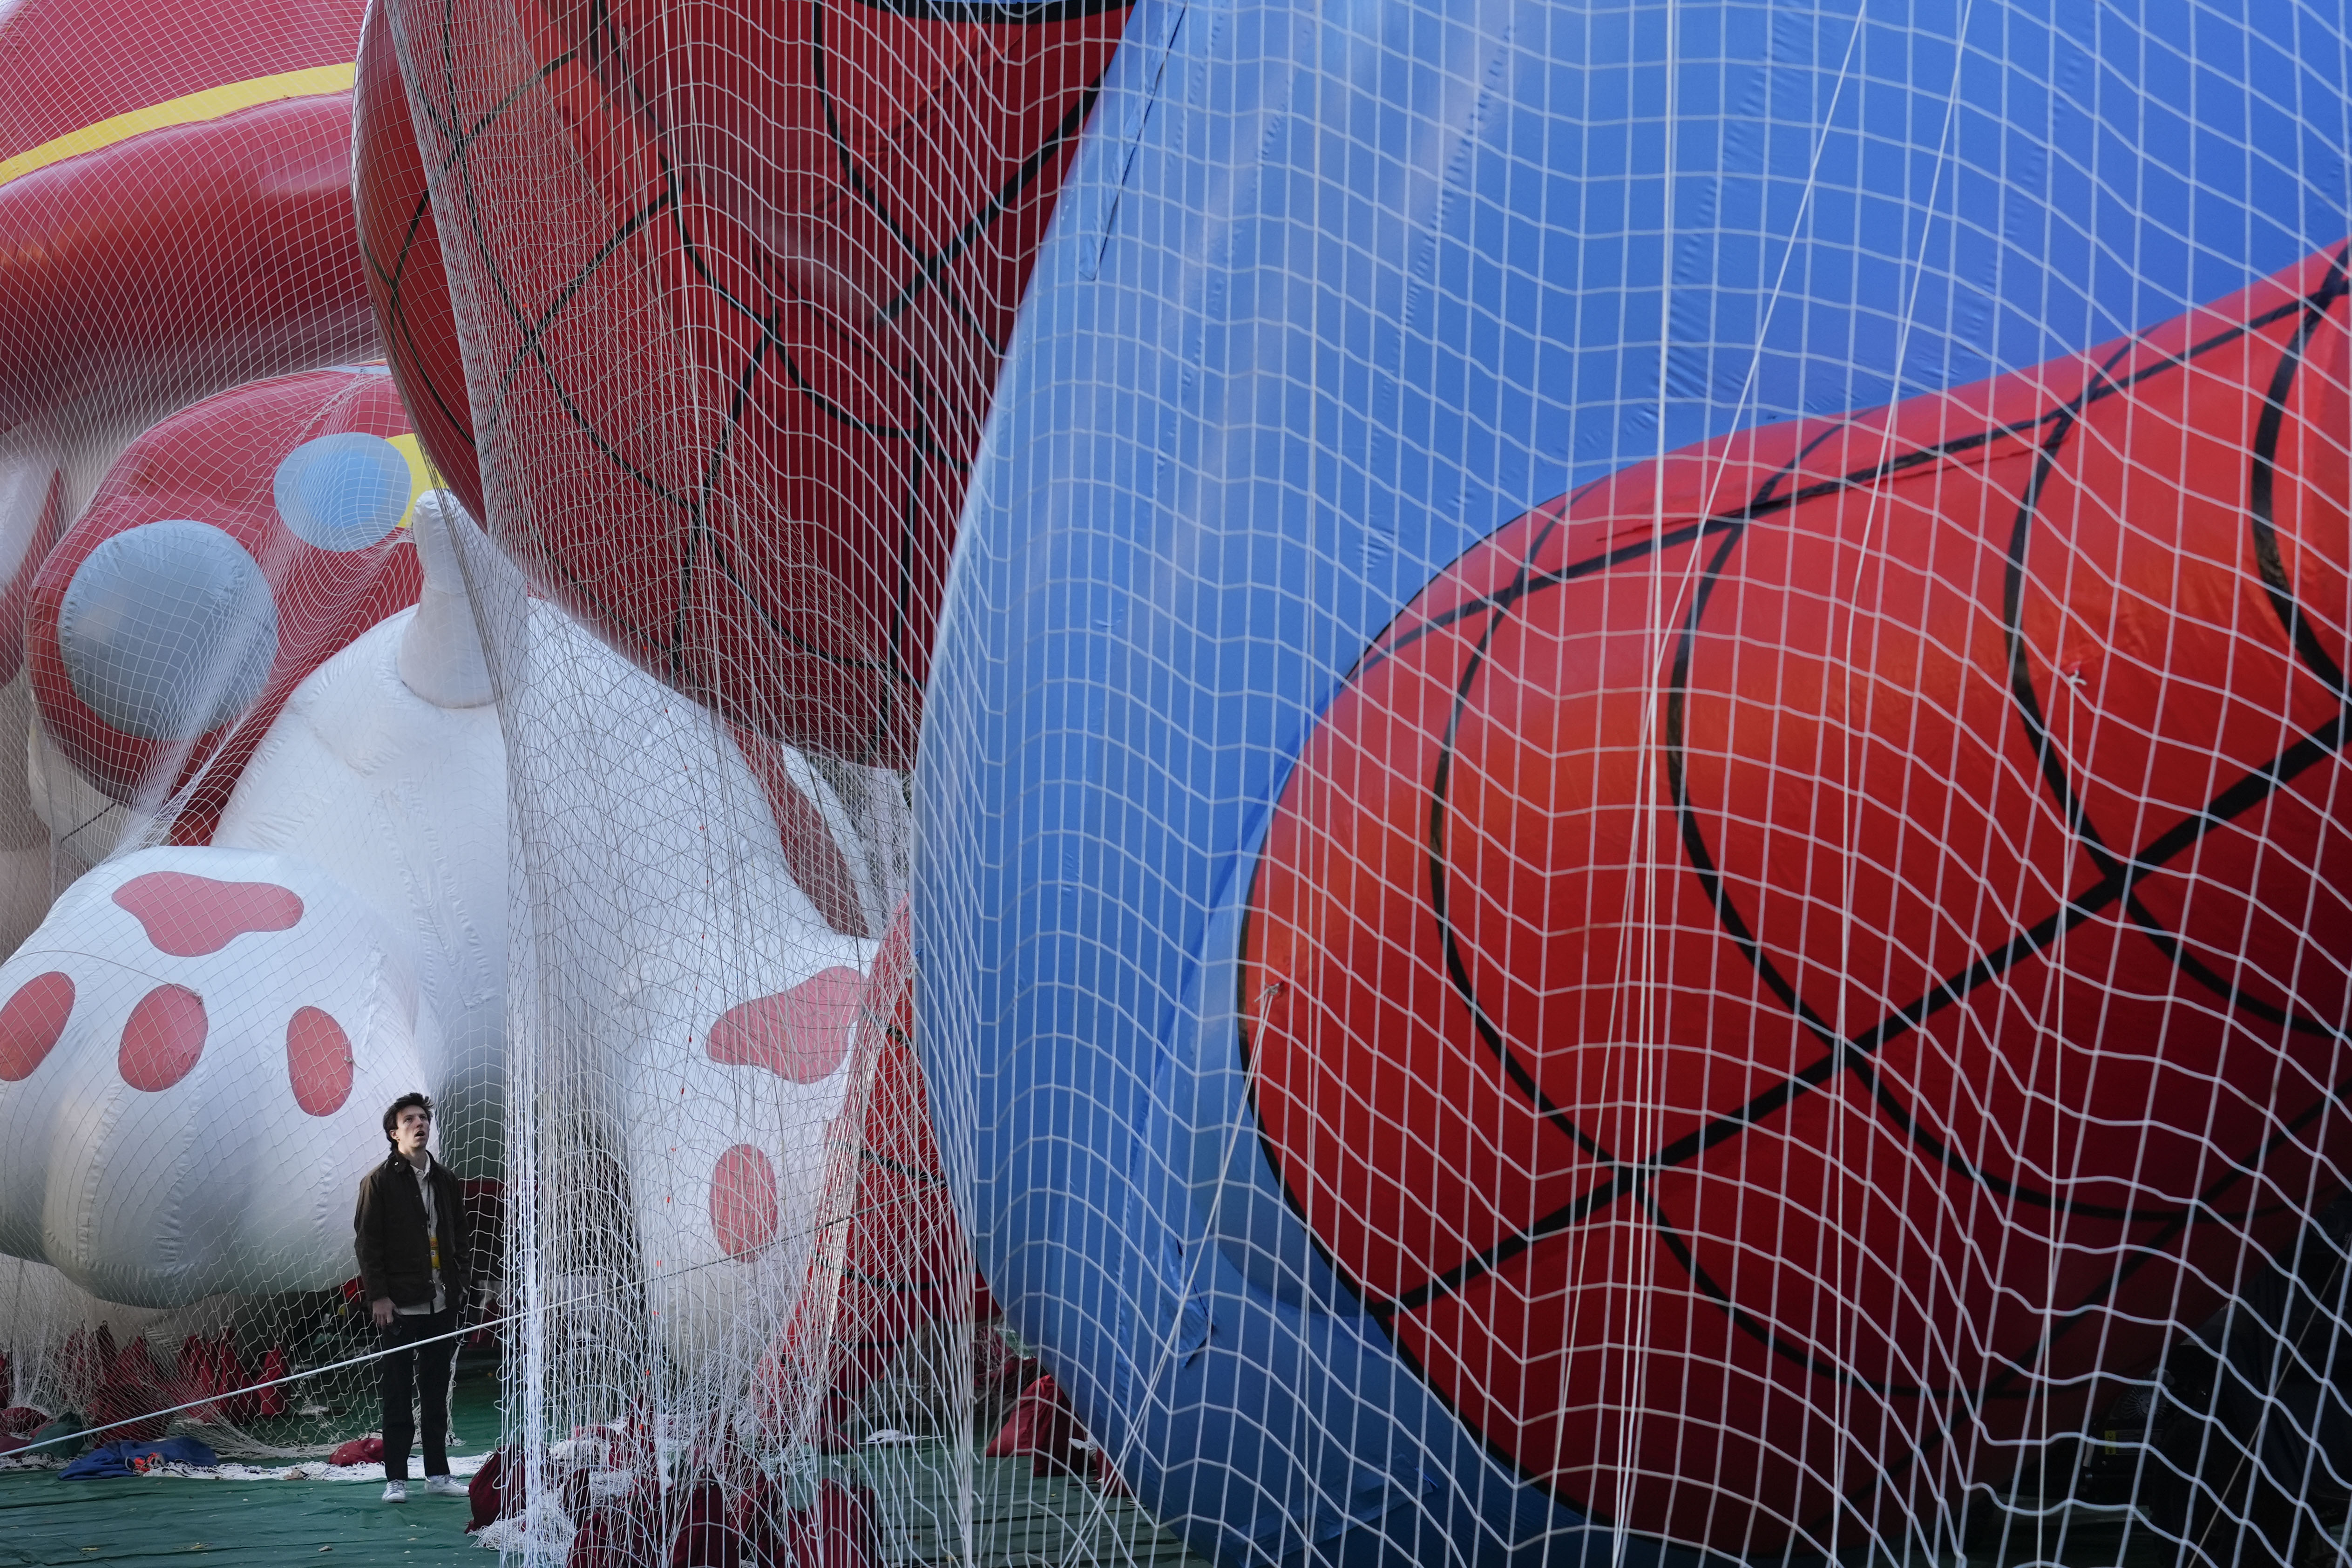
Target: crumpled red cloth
pixel 358 1451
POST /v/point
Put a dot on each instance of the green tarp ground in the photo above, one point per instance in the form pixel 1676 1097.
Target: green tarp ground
pixel 145 1521
pixel 263 1524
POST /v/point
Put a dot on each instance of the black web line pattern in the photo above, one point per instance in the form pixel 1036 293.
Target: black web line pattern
pixel 602 53
pixel 2118 874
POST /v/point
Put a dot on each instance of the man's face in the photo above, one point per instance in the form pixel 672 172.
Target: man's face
pixel 411 1129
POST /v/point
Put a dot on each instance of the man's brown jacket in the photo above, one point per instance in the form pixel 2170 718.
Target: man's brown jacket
pixel 388 1235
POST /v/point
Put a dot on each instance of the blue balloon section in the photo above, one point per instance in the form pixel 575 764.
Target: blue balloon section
pixel 343 493
pixel 168 629
pixel 1333 293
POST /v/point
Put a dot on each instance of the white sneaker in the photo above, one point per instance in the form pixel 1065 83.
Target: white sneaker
pixel 395 1492
pixel 445 1486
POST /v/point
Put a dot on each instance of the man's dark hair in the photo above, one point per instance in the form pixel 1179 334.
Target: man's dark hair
pixel 391 1116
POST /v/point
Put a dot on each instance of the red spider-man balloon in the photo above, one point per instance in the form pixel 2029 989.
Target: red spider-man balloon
pixel 734 288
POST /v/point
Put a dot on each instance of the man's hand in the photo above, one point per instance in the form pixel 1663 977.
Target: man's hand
pixel 380 1310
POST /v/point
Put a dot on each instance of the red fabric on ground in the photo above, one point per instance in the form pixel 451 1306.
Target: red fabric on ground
pixel 496 1492
pixel 1043 1426
pixel 705 1536
pixel 271 1401
pixel 615 1534
pixel 131 1389
pixel 837 1531
pixel 762 1522
pixel 17 1424
pixel 358 1451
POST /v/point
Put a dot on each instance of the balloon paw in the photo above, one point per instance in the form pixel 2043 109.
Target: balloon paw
pixel 231 1016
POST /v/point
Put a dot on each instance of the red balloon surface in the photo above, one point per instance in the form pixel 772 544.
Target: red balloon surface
pixel 217 466
pixel 1769 950
pixel 175 212
pixel 405 279
pixel 745 273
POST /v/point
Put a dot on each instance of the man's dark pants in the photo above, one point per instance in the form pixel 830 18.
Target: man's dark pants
pixel 429 1381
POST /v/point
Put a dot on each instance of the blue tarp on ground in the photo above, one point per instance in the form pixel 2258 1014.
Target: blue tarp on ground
pixel 138 1458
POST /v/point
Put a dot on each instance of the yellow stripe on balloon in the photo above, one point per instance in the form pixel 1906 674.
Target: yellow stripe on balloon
pixel 194 109
pixel 422 476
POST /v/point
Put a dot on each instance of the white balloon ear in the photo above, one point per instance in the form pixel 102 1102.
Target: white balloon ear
pixel 441 653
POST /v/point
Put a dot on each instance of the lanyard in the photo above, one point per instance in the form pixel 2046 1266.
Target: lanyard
pixel 432 1229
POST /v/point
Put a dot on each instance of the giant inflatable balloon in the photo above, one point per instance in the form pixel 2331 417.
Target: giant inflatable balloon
pixel 196 1020
pixel 174 219
pixel 257 644
pixel 740 278
pixel 216 986
pixel 231 550
pixel 407 282
pixel 201 1034
pixel 2153 918
pixel 1641 715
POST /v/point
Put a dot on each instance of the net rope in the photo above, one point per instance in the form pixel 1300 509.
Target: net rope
pixel 1505 784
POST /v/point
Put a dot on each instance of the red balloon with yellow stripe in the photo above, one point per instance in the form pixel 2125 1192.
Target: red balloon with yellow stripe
pixel 175 209
pixel 176 219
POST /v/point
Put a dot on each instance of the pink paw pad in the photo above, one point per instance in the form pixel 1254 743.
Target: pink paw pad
pixel 743 1209
pixel 162 1038
pixel 317 1061
pixel 32 1023
pixel 189 916
pixel 800 1034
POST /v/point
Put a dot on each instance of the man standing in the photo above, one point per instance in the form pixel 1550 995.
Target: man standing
pixel 409 1234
